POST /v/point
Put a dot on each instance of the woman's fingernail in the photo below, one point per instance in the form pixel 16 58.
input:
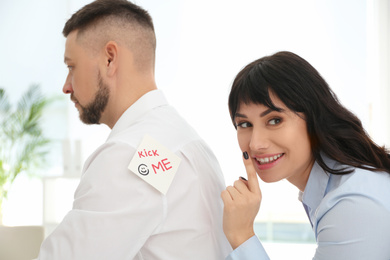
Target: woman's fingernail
pixel 242 178
pixel 246 156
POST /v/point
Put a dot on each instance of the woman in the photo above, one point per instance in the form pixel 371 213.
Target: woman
pixel 291 126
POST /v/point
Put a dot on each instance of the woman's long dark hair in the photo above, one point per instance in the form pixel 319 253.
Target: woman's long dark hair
pixel 332 128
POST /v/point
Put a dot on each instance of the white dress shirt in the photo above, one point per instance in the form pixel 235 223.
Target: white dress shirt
pixel 350 215
pixel 117 215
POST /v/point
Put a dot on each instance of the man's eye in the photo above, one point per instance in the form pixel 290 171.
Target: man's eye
pixel 70 68
pixel 244 125
pixel 274 121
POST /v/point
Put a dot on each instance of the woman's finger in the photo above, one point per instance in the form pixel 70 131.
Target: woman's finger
pixel 241 186
pixel 234 193
pixel 226 197
pixel 253 183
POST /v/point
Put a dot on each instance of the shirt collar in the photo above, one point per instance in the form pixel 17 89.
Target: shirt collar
pixel 317 184
pixel 147 102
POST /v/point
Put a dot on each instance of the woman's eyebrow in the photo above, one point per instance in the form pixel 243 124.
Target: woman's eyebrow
pixel 262 114
pixel 266 112
pixel 240 115
pixel 269 110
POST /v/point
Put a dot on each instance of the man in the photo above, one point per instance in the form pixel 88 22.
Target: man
pixel 152 191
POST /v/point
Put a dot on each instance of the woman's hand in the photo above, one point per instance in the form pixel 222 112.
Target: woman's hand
pixel 242 203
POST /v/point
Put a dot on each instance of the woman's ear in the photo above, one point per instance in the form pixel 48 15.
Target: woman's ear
pixel 111 57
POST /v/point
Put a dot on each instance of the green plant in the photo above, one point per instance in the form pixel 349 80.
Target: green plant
pixel 22 145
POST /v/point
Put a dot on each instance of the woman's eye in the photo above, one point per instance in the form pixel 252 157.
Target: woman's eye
pixel 274 121
pixel 70 68
pixel 244 125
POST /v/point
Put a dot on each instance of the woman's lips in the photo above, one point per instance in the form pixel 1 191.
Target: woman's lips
pixel 266 162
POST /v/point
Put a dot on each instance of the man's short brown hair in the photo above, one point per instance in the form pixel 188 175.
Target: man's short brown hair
pixel 117 20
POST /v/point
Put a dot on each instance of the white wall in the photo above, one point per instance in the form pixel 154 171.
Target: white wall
pixel 378 68
pixel 201 45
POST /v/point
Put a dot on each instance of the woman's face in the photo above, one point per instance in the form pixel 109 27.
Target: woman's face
pixel 277 142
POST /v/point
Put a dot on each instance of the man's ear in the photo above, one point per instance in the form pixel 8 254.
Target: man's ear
pixel 111 57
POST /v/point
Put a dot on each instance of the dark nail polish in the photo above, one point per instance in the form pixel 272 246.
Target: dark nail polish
pixel 242 178
pixel 246 156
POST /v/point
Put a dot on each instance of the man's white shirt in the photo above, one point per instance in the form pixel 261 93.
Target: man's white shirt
pixel 117 215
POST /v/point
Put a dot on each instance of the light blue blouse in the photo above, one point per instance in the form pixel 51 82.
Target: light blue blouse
pixel 350 215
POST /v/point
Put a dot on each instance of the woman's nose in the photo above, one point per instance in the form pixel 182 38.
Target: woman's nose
pixel 259 140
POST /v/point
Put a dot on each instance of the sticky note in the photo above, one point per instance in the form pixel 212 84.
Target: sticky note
pixel 155 164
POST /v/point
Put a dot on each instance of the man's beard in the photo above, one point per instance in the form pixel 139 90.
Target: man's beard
pixel 91 113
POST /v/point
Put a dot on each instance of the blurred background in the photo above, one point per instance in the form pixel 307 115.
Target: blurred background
pixel 201 46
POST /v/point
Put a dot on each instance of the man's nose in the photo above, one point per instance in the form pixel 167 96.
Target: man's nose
pixel 67 88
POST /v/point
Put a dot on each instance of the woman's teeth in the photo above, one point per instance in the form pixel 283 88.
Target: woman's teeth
pixel 270 159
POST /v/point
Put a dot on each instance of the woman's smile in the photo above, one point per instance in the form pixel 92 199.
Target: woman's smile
pixel 268 161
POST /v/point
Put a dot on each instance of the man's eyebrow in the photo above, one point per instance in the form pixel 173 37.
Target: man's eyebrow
pixel 66 59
